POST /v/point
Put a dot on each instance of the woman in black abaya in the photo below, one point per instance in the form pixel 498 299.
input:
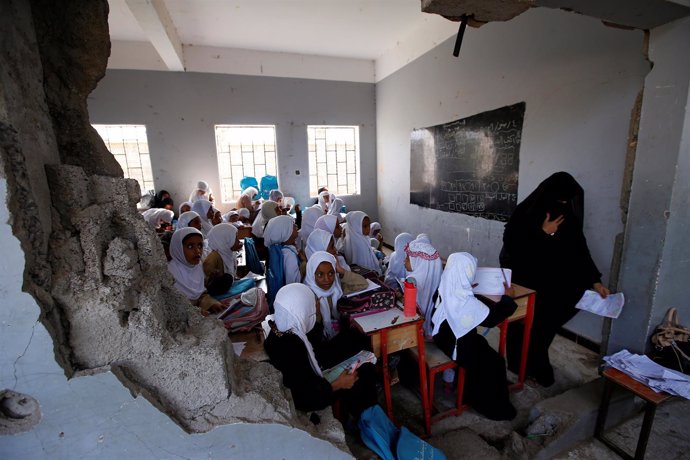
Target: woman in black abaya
pixel 544 246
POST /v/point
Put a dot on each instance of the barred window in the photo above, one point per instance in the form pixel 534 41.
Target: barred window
pixel 130 147
pixel 244 151
pixel 334 159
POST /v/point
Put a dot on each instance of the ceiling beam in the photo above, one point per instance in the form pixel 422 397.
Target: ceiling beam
pixel 155 20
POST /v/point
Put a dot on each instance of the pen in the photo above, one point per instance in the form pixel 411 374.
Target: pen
pixel 504 277
pixel 354 367
pixel 394 319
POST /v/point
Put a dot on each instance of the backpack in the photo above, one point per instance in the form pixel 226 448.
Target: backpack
pixel 252 256
pixel 238 287
pixel 244 311
pixel 248 181
pixel 390 443
pixel 268 183
pixel 275 278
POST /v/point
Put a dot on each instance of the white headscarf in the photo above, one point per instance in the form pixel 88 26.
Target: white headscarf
pixel 373 227
pixel 328 223
pixel 335 207
pixel 228 215
pixel 335 292
pixel 222 238
pixel 189 279
pixel 251 192
pixel 317 241
pixel 201 207
pixel 244 213
pixel 179 210
pixel 456 302
pixel 156 216
pixel 295 311
pixel 357 247
pixel 275 195
pixel 269 210
pixel 424 238
pixel 396 261
pixel 201 186
pixel 426 270
pixel 278 230
pixel 322 200
pixel 309 218
pixel 186 218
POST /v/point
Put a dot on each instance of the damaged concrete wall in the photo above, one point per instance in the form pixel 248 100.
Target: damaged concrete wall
pixel 579 80
pixel 92 264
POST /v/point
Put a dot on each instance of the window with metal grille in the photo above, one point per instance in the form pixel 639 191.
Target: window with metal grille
pixel 244 151
pixel 334 159
pixel 130 147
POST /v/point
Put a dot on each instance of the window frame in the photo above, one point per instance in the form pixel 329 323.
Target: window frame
pixel 357 161
pixel 105 128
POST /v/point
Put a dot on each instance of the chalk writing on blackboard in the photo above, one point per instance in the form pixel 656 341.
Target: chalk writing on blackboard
pixel 469 165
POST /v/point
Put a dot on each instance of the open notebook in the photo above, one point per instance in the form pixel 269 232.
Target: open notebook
pixel 350 364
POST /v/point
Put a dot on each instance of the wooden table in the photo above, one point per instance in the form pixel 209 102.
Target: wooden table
pixel 524 298
pixel 391 331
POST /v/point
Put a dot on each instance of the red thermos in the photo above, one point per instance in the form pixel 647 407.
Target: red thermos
pixel 410 299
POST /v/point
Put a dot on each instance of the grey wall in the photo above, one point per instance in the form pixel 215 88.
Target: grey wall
pixel 181 109
pixel 655 273
pixel 579 80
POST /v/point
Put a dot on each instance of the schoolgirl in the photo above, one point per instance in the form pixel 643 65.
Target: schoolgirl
pixel 205 210
pixel 356 246
pixel 455 319
pixel 186 248
pixel 309 218
pixel 396 261
pixel 201 192
pixel 423 263
pixel 350 281
pixel 189 219
pixel 223 241
pixel 158 219
pixel 282 232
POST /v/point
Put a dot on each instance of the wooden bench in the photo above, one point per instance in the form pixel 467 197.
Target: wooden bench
pixel 614 377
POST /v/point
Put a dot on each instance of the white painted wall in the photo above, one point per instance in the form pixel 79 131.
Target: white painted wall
pixel 579 80
pixel 181 109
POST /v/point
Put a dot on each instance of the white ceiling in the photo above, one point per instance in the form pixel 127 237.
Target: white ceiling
pixel 380 31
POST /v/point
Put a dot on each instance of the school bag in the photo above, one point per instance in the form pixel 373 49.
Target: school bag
pixel 275 277
pixel 252 256
pixel 390 443
pixel 268 183
pixel 379 299
pixel 238 287
pixel 248 181
pixel 244 311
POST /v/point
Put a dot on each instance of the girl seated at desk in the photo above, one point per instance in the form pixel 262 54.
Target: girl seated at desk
pixel 223 241
pixel 423 263
pixel 455 319
pixel 357 246
pixel 350 282
pixel 301 361
pixel 396 261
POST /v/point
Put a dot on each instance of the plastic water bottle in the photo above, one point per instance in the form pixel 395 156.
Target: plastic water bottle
pixel 410 297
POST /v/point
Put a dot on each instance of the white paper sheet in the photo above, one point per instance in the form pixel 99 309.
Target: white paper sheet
pixel 490 280
pixel 609 307
pixel 656 377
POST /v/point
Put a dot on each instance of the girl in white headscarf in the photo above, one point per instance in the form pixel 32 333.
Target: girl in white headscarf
pixel 158 218
pixel 424 237
pixel 201 192
pixel 186 248
pixel 335 207
pixel 232 217
pixel 184 207
pixel 322 278
pixel 282 231
pixel 331 224
pixel 189 219
pixel 324 200
pixel 269 210
pixel 244 215
pixel 350 281
pixel 396 261
pixel 455 319
pixel 205 210
pixel 291 349
pixel 309 218
pixel 357 247
pixel 223 241
pixel 423 263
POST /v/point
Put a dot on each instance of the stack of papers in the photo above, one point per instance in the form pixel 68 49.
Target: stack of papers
pixel 656 377
pixel 489 281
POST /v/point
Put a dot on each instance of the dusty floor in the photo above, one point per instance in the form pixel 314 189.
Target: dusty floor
pixel 471 436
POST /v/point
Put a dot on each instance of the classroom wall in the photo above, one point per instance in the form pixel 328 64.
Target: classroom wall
pixel 579 80
pixel 181 109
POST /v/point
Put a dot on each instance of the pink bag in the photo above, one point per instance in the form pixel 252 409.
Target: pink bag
pixel 244 311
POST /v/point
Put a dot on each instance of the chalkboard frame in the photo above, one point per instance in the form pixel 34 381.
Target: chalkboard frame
pixel 469 165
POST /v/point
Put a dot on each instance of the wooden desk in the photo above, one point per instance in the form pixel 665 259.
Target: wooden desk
pixel 391 331
pixel 524 298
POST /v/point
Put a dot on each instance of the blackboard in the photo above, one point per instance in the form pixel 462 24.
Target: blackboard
pixel 469 165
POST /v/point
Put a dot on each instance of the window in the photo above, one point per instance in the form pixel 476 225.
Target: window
pixel 244 151
pixel 334 159
pixel 130 147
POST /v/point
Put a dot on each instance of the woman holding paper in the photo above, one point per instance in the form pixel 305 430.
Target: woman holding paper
pixel 291 351
pixel 456 317
pixel 545 246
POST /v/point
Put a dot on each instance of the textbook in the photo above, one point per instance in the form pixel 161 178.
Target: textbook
pixel 349 365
